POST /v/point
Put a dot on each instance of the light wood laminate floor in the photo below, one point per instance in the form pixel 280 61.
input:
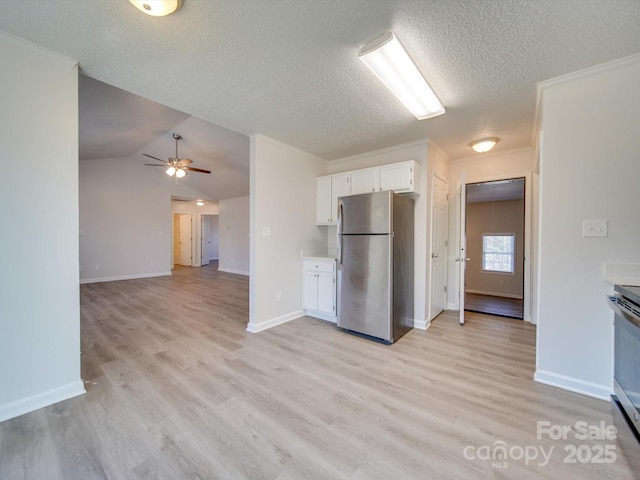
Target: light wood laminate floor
pixel 177 389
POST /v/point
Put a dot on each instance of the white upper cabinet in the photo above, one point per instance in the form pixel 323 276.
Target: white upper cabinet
pixel 323 200
pixel 400 177
pixel 365 181
pixel 340 186
pixel 328 189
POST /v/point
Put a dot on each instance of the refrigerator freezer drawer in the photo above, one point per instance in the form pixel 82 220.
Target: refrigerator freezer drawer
pixel 365 282
pixel 367 213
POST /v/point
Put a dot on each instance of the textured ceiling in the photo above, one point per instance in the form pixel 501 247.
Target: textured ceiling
pixel 288 68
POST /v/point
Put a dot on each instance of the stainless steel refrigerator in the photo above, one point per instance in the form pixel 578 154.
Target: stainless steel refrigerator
pixel 375 264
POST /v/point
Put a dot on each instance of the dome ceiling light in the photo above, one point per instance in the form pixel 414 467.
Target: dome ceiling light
pixel 157 8
pixel 484 144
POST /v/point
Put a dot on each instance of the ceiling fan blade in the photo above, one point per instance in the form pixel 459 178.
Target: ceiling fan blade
pixel 156 158
pixel 196 169
pixel 184 162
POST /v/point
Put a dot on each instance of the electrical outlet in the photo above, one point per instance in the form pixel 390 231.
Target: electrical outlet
pixel 594 228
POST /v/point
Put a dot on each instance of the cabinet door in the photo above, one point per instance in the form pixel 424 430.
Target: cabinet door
pixel 399 177
pixel 340 186
pixel 326 292
pixel 323 201
pixel 365 181
pixel 309 290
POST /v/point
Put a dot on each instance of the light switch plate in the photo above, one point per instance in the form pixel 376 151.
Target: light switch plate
pixel 266 231
pixel 595 228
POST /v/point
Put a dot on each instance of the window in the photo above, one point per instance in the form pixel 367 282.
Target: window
pixel 498 252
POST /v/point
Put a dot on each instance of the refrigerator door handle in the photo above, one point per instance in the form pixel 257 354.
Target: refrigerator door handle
pixel 339 231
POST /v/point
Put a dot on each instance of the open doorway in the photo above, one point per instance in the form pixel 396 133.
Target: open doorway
pixel 495 236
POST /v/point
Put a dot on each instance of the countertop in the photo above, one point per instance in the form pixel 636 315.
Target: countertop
pixel 319 254
pixel 618 273
pixel 325 256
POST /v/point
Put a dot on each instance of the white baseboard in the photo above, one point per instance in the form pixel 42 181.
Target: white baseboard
pixel 259 327
pixel 231 270
pixel 321 316
pixel 421 324
pixel 494 294
pixel 576 385
pixel 123 277
pixel 41 400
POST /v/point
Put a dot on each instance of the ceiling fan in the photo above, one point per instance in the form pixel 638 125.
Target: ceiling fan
pixel 177 166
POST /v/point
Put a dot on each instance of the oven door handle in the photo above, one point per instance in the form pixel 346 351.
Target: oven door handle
pixel 622 311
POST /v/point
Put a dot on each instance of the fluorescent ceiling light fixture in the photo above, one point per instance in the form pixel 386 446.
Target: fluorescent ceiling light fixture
pixel 387 58
pixel 484 144
pixel 157 8
pixel 200 203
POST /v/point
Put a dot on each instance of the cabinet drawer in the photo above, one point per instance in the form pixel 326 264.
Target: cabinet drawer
pixel 318 266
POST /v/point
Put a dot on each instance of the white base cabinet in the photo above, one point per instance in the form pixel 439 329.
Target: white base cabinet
pixel 319 287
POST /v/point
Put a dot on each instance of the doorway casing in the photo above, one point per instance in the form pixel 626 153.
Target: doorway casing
pixel 527 290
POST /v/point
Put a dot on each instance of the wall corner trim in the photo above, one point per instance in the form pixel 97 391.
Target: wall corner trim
pixel 602 392
pixel 41 400
pixel 259 327
pixel 421 324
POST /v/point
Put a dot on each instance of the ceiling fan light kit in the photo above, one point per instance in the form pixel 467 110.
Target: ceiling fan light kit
pixel 177 166
pixel 484 144
pixel 157 8
pixel 387 58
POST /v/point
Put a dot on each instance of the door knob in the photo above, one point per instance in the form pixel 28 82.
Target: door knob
pixel 467 259
pixel 434 255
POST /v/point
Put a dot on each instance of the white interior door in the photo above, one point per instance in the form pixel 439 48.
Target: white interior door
pixel 205 239
pixel 439 226
pixel 185 240
pixel 462 247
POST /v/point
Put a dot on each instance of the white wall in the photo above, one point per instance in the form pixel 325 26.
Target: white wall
pixel 234 235
pixel 125 219
pixel 283 183
pixel 209 208
pixel 417 151
pixel 39 296
pixel 481 168
pixel 589 170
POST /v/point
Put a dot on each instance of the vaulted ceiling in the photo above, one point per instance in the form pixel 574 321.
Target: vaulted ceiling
pixel 289 69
